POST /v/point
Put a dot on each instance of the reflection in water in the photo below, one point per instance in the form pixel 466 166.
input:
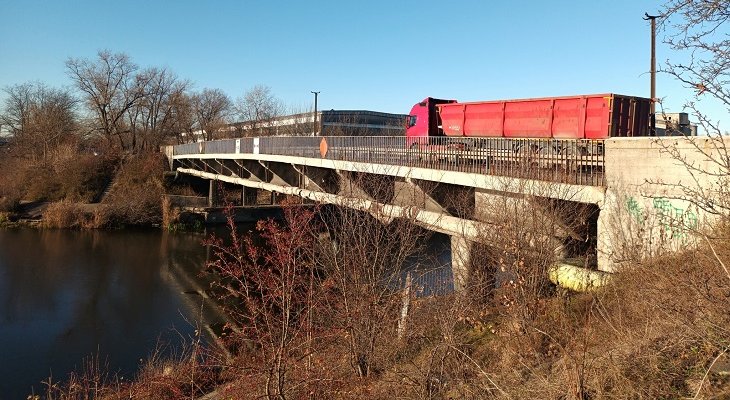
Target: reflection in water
pixel 67 295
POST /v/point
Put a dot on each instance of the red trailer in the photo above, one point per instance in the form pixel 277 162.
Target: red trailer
pixel 596 116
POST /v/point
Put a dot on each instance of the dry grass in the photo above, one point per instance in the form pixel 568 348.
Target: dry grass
pixel 67 214
pixel 136 197
pixel 188 374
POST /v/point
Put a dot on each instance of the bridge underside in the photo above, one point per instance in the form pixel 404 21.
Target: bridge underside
pixel 468 207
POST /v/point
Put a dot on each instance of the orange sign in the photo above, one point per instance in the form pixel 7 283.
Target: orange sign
pixel 323 147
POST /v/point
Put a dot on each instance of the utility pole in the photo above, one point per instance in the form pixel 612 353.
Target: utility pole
pixel 315 112
pixel 652 109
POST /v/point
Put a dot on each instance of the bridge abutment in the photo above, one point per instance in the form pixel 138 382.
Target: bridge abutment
pixel 660 196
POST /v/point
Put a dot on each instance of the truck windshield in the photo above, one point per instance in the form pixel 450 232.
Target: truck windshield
pixel 411 120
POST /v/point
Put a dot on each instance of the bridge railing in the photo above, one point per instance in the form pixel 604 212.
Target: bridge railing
pixel 556 160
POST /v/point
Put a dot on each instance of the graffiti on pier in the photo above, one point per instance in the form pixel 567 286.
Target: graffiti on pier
pixel 635 210
pixel 675 221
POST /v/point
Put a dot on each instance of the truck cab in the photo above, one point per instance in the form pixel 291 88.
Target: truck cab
pixel 423 121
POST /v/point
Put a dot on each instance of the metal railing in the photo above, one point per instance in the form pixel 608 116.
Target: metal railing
pixel 574 161
pixel 186 201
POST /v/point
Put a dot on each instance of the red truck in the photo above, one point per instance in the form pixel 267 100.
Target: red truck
pixel 595 116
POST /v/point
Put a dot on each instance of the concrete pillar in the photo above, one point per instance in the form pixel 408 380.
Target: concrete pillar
pixel 460 259
pixel 212 193
pixel 604 245
pixel 250 196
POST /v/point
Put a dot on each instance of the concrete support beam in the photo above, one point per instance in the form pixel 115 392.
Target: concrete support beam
pixel 283 173
pixel 378 187
pixel 455 199
pixel 350 189
pixel 470 230
pixel 193 163
pixel 461 252
pixel 409 193
pixel 231 167
pixel 255 170
pixel 321 179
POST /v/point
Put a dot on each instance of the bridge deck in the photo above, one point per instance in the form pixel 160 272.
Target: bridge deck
pixel 578 162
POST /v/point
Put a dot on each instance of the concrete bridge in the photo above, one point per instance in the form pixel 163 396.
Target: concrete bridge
pixel 608 201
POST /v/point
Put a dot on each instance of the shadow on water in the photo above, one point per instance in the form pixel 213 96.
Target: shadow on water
pixel 430 272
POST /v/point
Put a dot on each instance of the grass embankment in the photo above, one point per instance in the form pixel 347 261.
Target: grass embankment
pixel 79 192
pixel 134 199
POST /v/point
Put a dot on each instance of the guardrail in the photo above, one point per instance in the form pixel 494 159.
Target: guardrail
pixel 574 161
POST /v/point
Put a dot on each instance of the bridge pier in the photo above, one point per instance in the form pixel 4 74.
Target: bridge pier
pixel 461 252
pixel 213 196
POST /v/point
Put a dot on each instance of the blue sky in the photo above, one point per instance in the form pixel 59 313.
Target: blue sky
pixel 376 55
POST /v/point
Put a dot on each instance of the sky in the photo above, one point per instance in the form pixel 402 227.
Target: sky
pixel 375 55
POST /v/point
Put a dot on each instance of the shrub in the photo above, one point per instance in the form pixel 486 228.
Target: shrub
pixel 136 197
pixel 62 214
pixel 9 203
pixel 84 177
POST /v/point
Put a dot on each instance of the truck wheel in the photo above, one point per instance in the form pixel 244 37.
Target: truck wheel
pixel 525 153
pixel 571 157
pixel 546 156
pixel 415 148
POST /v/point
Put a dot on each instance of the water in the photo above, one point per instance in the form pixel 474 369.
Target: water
pixel 68 295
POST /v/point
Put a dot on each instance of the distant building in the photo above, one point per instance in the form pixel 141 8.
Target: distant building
pixel 361 123
pixel 329 123
pixel 675 124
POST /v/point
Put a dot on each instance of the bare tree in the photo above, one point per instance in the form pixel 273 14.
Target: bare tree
pixel 363 261
pixel 39 117
pixel 212 108
pixel 153 116
pixel 183 116
pixel 257 109
pixel 110 87
pixel 697 32
pixel 700 33
pixel 274 290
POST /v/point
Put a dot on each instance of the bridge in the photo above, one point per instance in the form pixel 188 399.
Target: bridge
pixel 607 200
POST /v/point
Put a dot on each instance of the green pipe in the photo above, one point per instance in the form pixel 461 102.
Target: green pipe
pixel 576 278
